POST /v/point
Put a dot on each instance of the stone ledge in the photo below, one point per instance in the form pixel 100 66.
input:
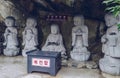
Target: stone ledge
pixel 16 67
pixel 68 73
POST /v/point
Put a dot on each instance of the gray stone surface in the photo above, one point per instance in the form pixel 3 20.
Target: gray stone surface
pixel 15 67
pixel 80 65
pixel 7 8
pixel 91 65
pixel 12 67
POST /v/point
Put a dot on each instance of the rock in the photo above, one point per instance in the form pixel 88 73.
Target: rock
pixel 64 63
pixel 87 64
pixel 69 63
pixel 109 76
pixel 81 65
pixel 76 64
pixel 7 8
pixel 91 65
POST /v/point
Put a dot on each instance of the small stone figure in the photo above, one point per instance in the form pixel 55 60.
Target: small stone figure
pixel 111 47
pixel 10 36
pixel 79 40
pixel 30 40
pixel 54 41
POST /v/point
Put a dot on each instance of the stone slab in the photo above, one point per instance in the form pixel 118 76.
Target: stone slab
pixel 16 67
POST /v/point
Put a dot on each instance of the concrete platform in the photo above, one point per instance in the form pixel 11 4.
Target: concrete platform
pixel 16 67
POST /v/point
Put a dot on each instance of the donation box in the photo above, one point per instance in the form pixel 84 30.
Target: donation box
pixel 44 61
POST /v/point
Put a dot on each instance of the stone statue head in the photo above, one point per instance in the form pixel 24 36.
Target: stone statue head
pixel 54 29
pixel 31 22
pixel 10 21
pixel 78 20
pixel 110 20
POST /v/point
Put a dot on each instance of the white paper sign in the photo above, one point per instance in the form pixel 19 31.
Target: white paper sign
pixel 41 62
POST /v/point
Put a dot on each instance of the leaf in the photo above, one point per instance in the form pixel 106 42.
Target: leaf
pixel 115 10
pixel 117 13
pixel 109 8
pixel 107 1
pixel 118 26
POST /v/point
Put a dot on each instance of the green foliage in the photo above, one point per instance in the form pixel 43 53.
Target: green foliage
pixel 113 6
pixel 118 26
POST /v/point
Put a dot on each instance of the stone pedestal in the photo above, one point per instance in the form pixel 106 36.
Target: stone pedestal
pixel 81 56
pixel 79 65
pixel 11 52
pixel 110 65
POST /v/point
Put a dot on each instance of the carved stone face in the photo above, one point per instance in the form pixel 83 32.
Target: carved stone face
pixel 9 22
pixel 78 20
pixel 54 29
pixel 110 20
pixel 31 22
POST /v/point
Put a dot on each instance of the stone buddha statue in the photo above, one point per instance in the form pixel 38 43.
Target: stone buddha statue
pixel 111 47
pixel 79 40
pixel 30 40
pixel 54 41
pixel 10 37
pixel 111 39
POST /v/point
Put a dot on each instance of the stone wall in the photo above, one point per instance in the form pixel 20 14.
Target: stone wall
pixel 96 30
pixel 96 27
pixel 7 8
